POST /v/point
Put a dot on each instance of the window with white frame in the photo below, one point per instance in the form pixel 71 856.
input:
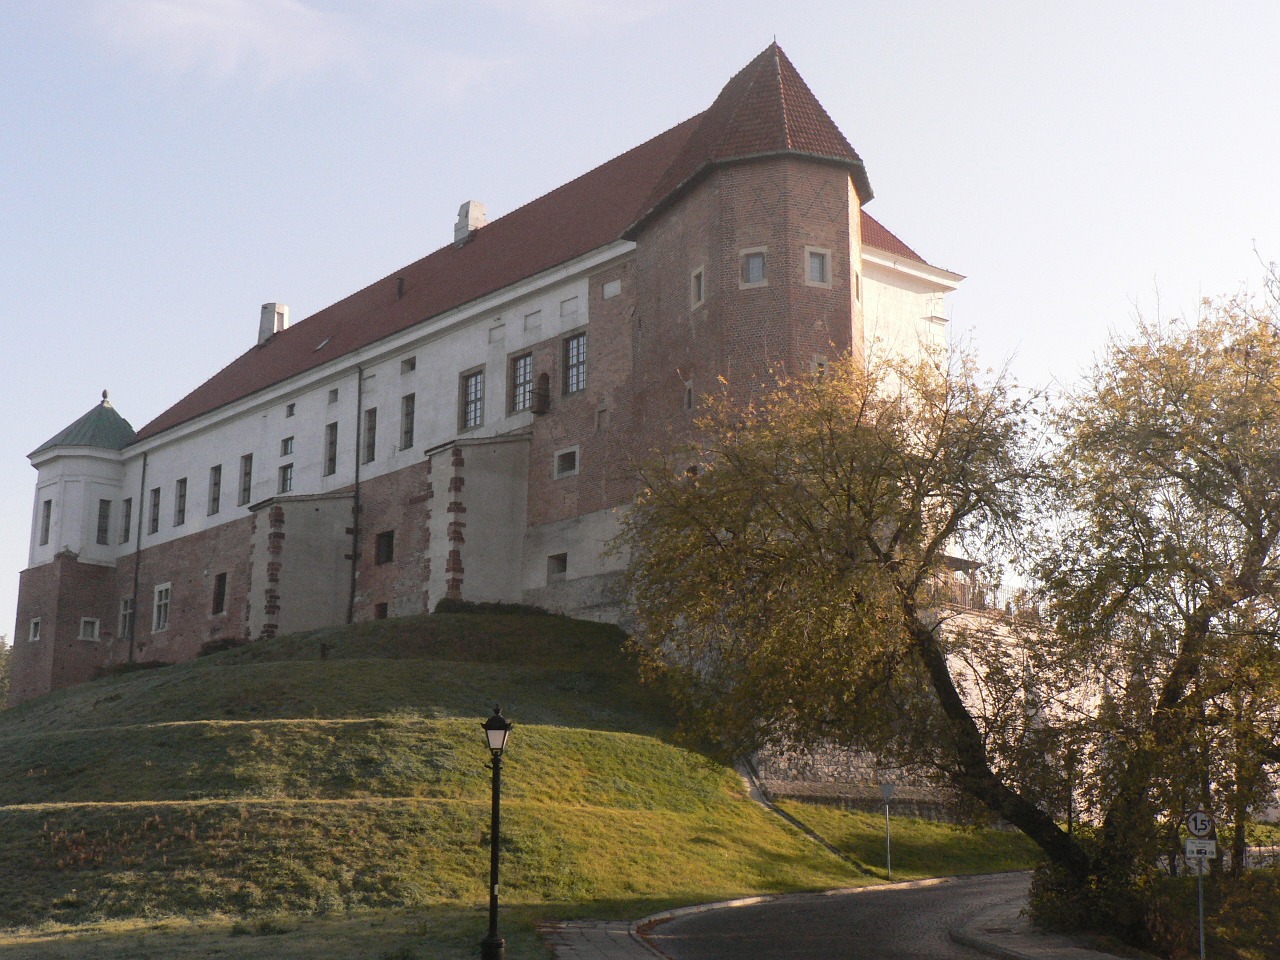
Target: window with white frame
pixel 33 630
pixel 611 289
pixel 160 607
pixel 471 412
pixel 817 267
pixel 575 363
pixel 521 383
pixel 566 463
pixel 126 618
pixel 752 266
pixel 286 478
pixel 286 447
pixel 89 628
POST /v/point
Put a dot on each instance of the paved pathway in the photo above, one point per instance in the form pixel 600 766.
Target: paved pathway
pixel 935 919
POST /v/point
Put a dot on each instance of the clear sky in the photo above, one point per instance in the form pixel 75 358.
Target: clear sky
pixel 167 166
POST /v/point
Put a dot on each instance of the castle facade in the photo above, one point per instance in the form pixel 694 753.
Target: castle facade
pixel 467 425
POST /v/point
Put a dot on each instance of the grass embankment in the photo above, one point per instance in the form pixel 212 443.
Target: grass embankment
pixel 342 776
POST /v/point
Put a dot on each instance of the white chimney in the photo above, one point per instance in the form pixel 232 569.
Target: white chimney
pixel 470 217
pixel 275 317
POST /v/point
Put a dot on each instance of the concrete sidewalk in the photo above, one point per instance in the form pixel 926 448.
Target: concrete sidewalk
pixel 998 931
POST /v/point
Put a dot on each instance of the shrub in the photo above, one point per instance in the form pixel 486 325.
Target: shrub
pixel 451 605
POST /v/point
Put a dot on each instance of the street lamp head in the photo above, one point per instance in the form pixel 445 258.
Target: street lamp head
pixel 496 730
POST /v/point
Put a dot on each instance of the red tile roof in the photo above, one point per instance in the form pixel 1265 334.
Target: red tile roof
pixel 765 109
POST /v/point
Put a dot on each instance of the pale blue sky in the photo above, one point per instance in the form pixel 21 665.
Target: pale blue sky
pixel 166 166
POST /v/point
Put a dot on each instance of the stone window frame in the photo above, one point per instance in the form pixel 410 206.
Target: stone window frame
pixel 825 254
pixel 559 462
pixel 33 630
pixel 161 602
pixel 610 289
pixel 697 286
pixel 90 629
pixel 744 255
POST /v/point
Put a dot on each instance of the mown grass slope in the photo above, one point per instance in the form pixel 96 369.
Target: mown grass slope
pixel 344 770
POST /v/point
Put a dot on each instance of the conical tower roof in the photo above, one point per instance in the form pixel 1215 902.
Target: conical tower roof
pixel 766 109
pixel 101 427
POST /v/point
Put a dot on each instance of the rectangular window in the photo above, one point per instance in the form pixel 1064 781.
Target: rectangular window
pixel 180 503
pixel 153 518
pixel 220 594
pixel 286 447
pixel 697 287
pixel 246 478
pixel 215 489
pixel 575 363
pixel 407 403
pixel 472 400
pixel 817 267
pixel 611 289
pixel 126 617
pixel 160 610
pixel 104 522
pixel 89 627
pixel 126 521
pixel 379 611
pixel 522 382
pixel 290 409
pixel 566 462
pixel 330 449
pixel 408 364
pixel 286 478
pixel 753 273
pixel 370 434
pixel 46 521
pixel 384 547
pixel 557 567
pixel 333 395
pixel 33 631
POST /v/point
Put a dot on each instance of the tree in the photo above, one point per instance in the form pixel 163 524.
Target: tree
pixel 784 571
pixel 1164 572
pixel 6 661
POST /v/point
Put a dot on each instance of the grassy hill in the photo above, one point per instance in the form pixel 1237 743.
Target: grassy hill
pixel 342 775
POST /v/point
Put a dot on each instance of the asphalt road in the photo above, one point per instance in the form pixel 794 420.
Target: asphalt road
pixel 879 923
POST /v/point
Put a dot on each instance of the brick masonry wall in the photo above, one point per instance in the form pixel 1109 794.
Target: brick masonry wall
pixel 402 502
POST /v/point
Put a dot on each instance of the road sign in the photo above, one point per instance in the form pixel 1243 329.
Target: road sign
pixel 1200 823
pixel 886 789
pixel 1202 849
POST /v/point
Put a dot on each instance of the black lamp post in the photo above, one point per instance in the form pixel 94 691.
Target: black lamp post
pixel 496 730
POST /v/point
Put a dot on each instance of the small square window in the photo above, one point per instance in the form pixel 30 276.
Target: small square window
pixel 557 567
pixel 379 611
pixel 333 395
pixel 533 321
pixel 611 289
pixel 569 307
pixel 89 628
pixel 697 287
pixel 384 547
pixel 286 446
pixel 566 462
pixel 497 333
pixel 408 364
pixel 290 409
pixel 817 267
pixel 753 269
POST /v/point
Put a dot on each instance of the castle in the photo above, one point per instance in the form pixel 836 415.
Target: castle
pixel 466 426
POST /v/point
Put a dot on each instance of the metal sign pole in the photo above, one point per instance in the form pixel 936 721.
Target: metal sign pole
pixel 886 790
pixel 1200 885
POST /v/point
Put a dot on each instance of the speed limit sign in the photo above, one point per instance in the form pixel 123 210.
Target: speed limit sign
pixel 1200 823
